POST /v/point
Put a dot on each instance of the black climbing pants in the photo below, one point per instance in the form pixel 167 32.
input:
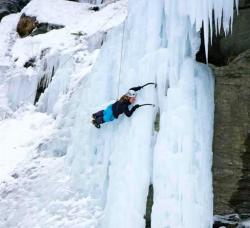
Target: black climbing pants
pixel 98 116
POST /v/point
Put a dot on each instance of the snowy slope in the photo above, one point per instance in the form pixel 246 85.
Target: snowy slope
pixel 69 174
pixel 20 136
pixel 40 194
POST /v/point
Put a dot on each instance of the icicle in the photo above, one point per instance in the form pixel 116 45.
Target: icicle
pixel 237 6
pixel 206 28
pixel 210 8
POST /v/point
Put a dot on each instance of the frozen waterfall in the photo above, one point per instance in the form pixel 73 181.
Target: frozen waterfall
pixel 117 163
pixel 99 57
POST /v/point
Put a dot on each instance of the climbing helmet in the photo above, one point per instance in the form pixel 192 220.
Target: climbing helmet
pixel 131 93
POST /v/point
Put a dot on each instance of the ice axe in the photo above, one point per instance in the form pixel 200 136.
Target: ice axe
pixel 150 83
pixel 146 105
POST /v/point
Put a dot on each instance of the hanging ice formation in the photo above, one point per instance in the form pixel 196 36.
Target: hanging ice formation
pixel 116 164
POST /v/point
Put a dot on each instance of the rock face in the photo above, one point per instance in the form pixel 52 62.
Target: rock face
pixel 239 40
pixel 44 28
pixel 26 25
pixel 231 161
pixel 149 206
pixel 30 26
pixel 231 166
pixel 11 6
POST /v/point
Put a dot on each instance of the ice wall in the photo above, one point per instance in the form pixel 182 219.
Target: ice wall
pixel 109 164
pixel 182 157
pixel 115 164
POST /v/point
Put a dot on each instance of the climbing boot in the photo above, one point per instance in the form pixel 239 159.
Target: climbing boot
pixel 97 125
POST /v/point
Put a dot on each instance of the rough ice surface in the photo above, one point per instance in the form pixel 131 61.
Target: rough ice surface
pixel 100 178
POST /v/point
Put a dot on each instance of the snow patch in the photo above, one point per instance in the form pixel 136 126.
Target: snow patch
pixel 20 136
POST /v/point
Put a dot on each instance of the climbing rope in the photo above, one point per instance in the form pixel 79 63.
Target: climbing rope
pixel 121 59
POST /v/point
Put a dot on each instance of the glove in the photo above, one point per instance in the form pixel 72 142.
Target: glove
pixel 136 106
pixel 136 88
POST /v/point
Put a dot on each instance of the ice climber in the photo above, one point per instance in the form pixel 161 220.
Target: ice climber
pixel 119 107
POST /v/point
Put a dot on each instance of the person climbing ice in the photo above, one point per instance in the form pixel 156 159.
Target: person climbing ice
pixel 119 107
